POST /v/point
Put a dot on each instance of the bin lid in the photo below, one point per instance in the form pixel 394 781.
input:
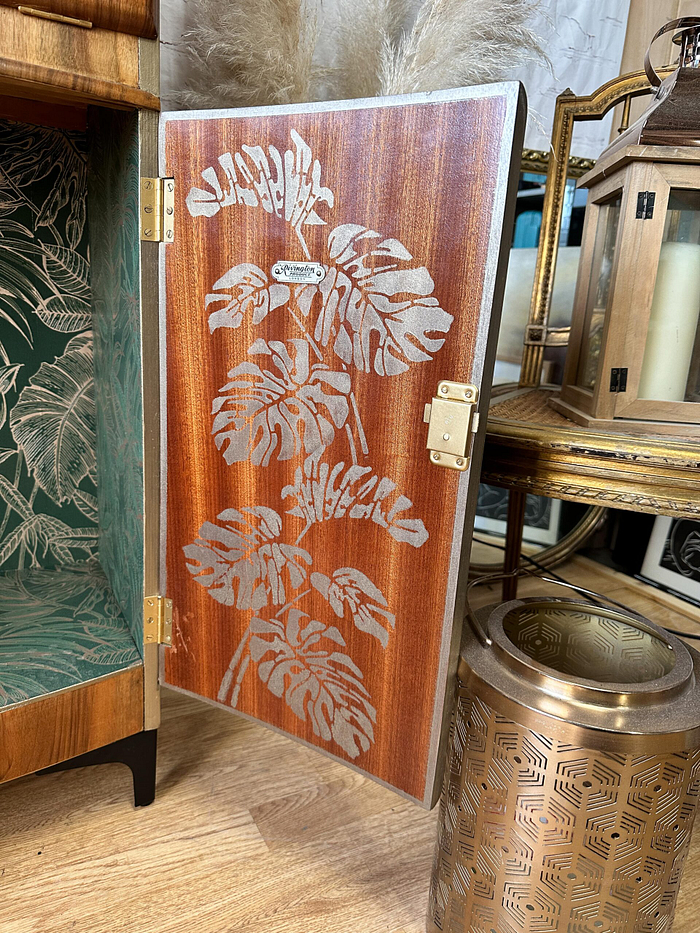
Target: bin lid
pixel 592 676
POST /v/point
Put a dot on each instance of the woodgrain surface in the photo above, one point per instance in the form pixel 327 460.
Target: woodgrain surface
pixel 134 16
pixel 50 60
pixel 252 833
pixel 423 175
pixel 62 725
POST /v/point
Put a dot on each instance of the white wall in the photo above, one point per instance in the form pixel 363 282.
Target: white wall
pixel 584 40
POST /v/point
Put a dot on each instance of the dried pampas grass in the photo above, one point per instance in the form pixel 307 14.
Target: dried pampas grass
pixel 457 43
pixel 251 52
pixel 366 36
pixel 248 52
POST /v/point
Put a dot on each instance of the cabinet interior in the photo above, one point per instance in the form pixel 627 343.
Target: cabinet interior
pixel 71 436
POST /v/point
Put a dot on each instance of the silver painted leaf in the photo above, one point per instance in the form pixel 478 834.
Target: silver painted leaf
pixel 299 661
pixel 376 312
pixel 322 494
pixel 293 406
pixel 367 604
pixel 287 185
pixel 242 562
pixel 243 290
pixel 53 423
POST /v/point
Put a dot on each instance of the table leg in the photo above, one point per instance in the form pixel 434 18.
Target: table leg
pixel 514 541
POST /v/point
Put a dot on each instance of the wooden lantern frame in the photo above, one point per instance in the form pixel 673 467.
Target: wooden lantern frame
pixel 614 399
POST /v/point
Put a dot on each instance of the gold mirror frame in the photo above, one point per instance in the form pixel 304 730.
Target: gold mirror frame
pixel 558 165
pixel 568 109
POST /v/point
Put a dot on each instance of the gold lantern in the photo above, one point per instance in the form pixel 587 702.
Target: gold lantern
pixel 633 361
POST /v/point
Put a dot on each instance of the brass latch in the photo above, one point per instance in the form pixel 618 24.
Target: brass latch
pixel 453 420
pixel 158 620
pixel 157 209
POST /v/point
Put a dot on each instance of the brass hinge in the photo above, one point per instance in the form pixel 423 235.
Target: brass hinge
pixel 157 209
pixel 158 620
pixel 452 420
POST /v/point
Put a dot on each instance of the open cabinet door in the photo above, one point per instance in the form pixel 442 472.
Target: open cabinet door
pixel 331 265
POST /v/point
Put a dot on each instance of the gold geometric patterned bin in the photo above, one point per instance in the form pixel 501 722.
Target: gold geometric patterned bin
pixel 573 774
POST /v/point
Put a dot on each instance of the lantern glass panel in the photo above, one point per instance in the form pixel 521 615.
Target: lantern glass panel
pixel 671 364
pixel 599 291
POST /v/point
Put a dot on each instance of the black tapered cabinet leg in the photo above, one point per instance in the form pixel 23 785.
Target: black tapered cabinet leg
pixel 137 751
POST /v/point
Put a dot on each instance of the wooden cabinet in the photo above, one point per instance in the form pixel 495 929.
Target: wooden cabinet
pixel 50 61
pixel 261 377
pixel 136 17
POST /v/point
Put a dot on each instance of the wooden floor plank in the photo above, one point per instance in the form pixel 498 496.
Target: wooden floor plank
pixel 249 833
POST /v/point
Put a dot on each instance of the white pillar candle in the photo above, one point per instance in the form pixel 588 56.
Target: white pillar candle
pixel 673 322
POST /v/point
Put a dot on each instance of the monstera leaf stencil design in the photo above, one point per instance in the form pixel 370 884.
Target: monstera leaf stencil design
pixel 288 186
pixel 299 661
pixel 53 422
pixel 293 406
pixel 242 563
pixel 323 493
pixel 373 314
pixel 374 311
pixel 247 292
pixel 367 603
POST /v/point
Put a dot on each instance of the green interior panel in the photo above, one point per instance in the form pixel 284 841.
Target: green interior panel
pixel 114 245
pixel 59 628
pixel 63 433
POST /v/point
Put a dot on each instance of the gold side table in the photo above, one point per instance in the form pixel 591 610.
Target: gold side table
pixel 530 448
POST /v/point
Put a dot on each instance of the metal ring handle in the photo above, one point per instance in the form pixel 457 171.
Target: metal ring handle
pixel 481 632
pixel 683 22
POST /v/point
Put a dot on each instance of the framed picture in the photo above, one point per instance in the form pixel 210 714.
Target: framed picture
pixel 672 559
pixel 541 515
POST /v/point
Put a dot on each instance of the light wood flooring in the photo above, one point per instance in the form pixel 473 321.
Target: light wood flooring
pixel 249 833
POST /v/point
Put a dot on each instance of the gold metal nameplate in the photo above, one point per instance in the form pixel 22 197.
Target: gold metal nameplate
pixel 452 420
pixel 300 273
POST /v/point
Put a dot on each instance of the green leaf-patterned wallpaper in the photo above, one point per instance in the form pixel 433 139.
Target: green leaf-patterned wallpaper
pixel 48 504
pixel 58 628
pixel 60 623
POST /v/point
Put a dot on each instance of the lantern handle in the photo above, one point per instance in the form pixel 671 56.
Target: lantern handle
pixel 682 23
pixel 481 632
